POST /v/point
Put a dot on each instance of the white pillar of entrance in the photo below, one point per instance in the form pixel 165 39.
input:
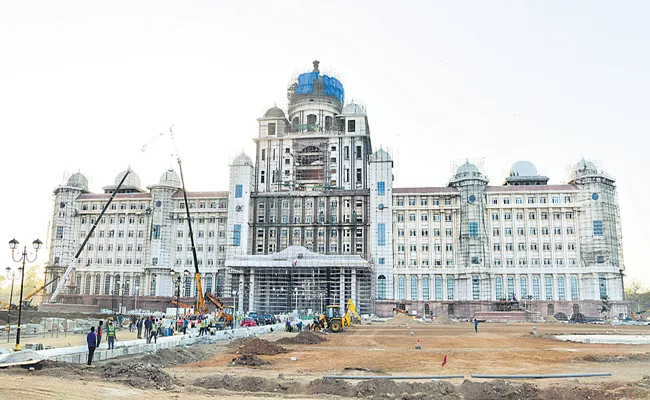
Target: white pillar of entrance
pixel 342 290
pixel 251 294
pixel 353 294
pixel 240 300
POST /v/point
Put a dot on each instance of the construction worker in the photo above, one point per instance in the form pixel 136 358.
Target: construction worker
pixel 154 332
pixel 475 325
pixel 147 328
pixel 139 326
pixel 110 334
pixel 91 338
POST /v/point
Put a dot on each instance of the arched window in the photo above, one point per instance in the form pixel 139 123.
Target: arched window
pixel 87 284
pixel 548 287
pixel 511 287
pixel 77 283
pixel 116 285
pixel 311 122
pixel 438 284
pixel 294 123
pixel 425 288
pixel 328 123
pixel 208 283
pixel 381 287
pixel 152 288
pixel 550 309
pixel 523 287
pixel 401 288
pixel 219 286
pixel 498 284
pixel 602 282
pixel 536 289
pixel 414 288
pixel 576 309
pixel 98 284
pixel 107 284
pixel 560 288
pixel 188 287
pixel 450 288
pixel 575 294
pixel 427 309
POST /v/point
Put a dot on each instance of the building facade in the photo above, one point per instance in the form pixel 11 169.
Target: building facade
pixel 315 219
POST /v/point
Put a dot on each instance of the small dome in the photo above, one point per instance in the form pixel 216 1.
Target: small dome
pixel 132 181
pixel 584 167
pixel 467 169
pixel 353 109
pixel 170 178
pixel 242 159
pixel 274 112
pixel 78 180
pixel 523 168
pixel 380 155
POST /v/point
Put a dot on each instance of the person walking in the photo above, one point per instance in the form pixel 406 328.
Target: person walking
pixel 185 322
pixel 475 325
pixel 139 326
pixel 147 327
pixel 110 334
pixel 179 325
pixel 91 338
pixel 153 332
pixel 100 331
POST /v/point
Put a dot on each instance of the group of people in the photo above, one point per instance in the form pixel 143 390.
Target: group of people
pixel 94 338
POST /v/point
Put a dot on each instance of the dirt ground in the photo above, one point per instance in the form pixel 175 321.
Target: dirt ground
pixel 372 349
pixel 60 339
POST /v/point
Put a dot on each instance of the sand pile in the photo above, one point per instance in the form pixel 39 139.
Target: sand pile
pixel 258 347
pixel 249 361
pixel 443 319
pixel 399 319
pixel 305 337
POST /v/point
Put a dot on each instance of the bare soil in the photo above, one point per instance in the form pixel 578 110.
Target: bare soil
pixel 304 337
pixel 256 346
pixel 249 361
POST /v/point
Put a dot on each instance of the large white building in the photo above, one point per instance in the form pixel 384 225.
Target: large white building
pixel 316 219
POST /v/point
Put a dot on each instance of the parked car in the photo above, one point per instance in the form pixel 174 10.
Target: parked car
pixel 267 319
pixel 247 322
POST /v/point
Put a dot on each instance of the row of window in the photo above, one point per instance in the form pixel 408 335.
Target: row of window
pixel 112 220
pixel 424 217
pixel 424 201
pixel 545 230
pixel 114 206
pixel 532 200
pixel 109 247
pixel 531 215
pixel 213 204
pixel 347 203
pixel 534 246
pixel 309 233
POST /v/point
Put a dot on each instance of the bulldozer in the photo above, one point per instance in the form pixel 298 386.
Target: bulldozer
pixel 334 321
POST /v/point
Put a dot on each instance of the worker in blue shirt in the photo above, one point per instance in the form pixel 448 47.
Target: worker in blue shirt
pixel 91 338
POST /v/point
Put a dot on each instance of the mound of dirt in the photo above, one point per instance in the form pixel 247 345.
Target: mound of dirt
pixel 138 375
pixel 178 355
pixel 249 361
pixel 258 347
pixel 337 387
pixel 622 358
pixel 399 319
pixel 304 337
pixel 248 384
pixel 443 319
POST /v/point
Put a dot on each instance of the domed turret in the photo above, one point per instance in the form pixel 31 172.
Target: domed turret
pixel 583 167
pixel 381 155
pixel 170 178
pixel 242 159
pixel 78 180
pixel 466 172
pixel 354 109
pixel 274 112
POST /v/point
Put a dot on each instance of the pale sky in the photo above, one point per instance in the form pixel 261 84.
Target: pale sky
pixel 83 85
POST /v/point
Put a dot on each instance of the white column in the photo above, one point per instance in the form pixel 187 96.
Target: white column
pixel 444 287
pixel 354 286
pixel 419 287
pixel 240 300
pixel 342 289
pixel 251 294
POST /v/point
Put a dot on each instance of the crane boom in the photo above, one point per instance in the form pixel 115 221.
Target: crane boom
pixel 66 274
pixel 197 273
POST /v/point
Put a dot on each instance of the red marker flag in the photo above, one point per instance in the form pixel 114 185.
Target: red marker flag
pixel 444 361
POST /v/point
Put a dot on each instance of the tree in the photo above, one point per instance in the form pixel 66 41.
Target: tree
pixel 638 296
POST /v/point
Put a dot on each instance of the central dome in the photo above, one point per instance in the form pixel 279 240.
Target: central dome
pixel 132 181
pixel 523 168
pixel 467 169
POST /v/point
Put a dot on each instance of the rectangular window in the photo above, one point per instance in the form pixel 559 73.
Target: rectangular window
pixel 359 153
pixel 59 232
pixel 450 288
pixel 473 230
pixel 381 234
pixel 523 287
pixel 238 191
pixel 381 188
pixel 382 261
pixel 236 236
pixel 548 284
pixel 438 287
pixel 476 290
pixel 498 283
pixel 560 288
pixel 425 288
pixel 352 125
pixel 598 228
pixel 156 231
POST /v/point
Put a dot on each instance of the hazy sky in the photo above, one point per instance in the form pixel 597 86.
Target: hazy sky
pixel 83 85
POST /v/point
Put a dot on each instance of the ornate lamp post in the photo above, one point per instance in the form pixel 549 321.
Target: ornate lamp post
pixel 13 244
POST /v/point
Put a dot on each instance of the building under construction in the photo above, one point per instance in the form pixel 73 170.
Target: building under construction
pixel 315 219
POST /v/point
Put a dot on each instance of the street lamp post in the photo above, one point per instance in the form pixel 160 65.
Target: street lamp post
pixel 122 301
pixel 11 299
pixel 13 244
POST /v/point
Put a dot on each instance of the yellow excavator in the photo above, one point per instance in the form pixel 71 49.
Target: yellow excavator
pixel 225 313
pixel 334 321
